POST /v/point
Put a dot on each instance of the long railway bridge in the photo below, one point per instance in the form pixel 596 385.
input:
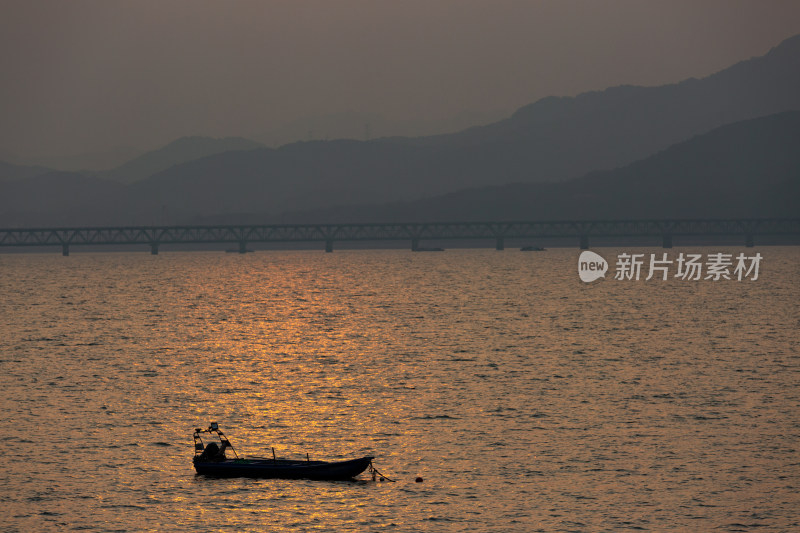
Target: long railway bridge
pixel 580 230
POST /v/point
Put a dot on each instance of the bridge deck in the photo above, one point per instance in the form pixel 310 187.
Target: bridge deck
pixel 414 232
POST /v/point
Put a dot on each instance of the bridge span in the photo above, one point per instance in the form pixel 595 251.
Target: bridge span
pixel 579 230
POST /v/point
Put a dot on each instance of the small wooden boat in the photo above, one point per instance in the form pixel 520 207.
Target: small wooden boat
pixel 210 460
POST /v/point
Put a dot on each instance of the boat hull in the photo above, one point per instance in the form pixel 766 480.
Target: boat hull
pixel 281 468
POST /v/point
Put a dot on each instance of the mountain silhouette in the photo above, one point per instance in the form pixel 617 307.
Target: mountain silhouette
pixel 749 169
pixel 558 138
pixel 177 152
pixel 10 172
pixel 551 141
pixel 62 199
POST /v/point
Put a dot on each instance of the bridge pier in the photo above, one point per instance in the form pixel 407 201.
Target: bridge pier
pixel 153 248
pixel 584 242
pixel 65 249
pixel 500 244
pixel 242 247
pixel 328 246
pixel 414 245
pixel 748 240
pixel 666 240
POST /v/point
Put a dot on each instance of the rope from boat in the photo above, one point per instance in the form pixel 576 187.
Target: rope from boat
pixel 376 471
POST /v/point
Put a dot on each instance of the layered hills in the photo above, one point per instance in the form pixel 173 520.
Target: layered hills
pixel 628 149
pixel 749 169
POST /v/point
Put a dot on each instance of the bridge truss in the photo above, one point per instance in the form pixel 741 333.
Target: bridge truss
pixel 241 235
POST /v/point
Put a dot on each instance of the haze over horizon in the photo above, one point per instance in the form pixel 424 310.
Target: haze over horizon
pixel 90 76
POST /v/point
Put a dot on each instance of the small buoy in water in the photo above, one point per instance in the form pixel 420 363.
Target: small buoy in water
pixel 418 480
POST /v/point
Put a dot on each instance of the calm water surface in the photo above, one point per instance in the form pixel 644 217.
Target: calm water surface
pixel 527 400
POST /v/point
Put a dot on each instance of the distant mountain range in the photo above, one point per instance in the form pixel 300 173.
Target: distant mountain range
pixel 175 153
pixel 366 126
pixel 9 172
pixel 554 158
pixel 747 169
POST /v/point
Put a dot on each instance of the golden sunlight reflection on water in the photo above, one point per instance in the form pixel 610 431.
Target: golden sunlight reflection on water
pixel 526 399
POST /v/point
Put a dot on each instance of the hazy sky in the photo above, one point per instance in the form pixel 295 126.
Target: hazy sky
pixel 92 75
